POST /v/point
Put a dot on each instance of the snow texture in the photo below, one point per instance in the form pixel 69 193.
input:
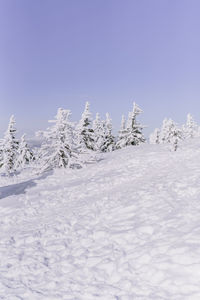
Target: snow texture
pixel 124 228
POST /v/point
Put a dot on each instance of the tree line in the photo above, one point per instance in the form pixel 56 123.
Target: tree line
pixel 74 145
pixel 69 144
pixel 171 133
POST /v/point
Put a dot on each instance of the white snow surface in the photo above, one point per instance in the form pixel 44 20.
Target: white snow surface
pixel 127 227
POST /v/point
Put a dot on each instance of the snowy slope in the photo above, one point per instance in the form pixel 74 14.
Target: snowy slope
pixel 125 228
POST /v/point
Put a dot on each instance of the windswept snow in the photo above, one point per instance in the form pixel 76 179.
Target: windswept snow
pixel 125 228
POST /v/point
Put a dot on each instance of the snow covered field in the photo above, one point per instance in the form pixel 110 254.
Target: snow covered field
pixel 127 227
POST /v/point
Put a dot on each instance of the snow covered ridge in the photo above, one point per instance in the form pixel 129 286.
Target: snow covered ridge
pixel 125 228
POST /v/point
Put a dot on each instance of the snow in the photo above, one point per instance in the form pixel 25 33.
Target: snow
pixel 124 228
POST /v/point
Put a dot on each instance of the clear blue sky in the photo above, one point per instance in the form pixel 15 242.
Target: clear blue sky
pixel 60 53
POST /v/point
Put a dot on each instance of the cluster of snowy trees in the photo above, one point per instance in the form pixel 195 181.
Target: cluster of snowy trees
pixel 171 133
pixel 69 144
pixel 14 153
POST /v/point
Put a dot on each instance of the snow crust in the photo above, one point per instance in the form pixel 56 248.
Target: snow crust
pixel 127 227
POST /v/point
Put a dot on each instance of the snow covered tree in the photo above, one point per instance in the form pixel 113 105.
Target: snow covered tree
pixel 176 136
pixel 170 133
pixel 84 131
pixel 154 137
pixel 103 138
pixel 9 148
pixel 59 150
pixel 135 135
pixel 25 155
pixel 109 140
pixel 165 132
pixel 131 134
pixel 190 129
pixel 98 129
pixel 122 134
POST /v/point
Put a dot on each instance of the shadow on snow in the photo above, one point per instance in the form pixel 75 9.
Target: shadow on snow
pixel 20 188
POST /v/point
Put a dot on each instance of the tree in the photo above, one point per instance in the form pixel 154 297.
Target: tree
pixel 109 140
pixel 84 131
pixel 59 150
pixel 176 136
pixel 190 129
pixel 170 133
pixel 154 137
pixel 121 143
pixel 25 155
pixel 131 134
pixel 9 148
pixel 103 138
pixel 165 132
pixel 98 133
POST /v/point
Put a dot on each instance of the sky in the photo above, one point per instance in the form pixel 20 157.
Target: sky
pixel 62 53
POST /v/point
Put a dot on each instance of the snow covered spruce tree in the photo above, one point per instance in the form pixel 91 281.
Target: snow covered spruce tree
pixel 154 137
pixel 58 149
pixel 170 133
pixel 10 147
pixel 109 143
pixel 84 132
pixel 176 136
pixel 98 129
pixel 122 134
pixel 104 141
pixel 131 133
pixel 165 131
pixel 190 129
pixel 25 155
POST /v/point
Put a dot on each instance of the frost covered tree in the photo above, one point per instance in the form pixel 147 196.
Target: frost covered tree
pixel 154 137
pixel 109 139
pixel 132 133
pixel 59 149
pixel 176 136
pixel 170 133
pixel 122 134
pixel 135 134
pixel 103 138
pixel 25 155
pixel 190 129
pixel 98 129
pixel 165 132
pixel 9 148
pixel 84 131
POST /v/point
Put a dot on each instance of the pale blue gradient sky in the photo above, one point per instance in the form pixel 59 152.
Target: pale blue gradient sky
pixel 60 53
